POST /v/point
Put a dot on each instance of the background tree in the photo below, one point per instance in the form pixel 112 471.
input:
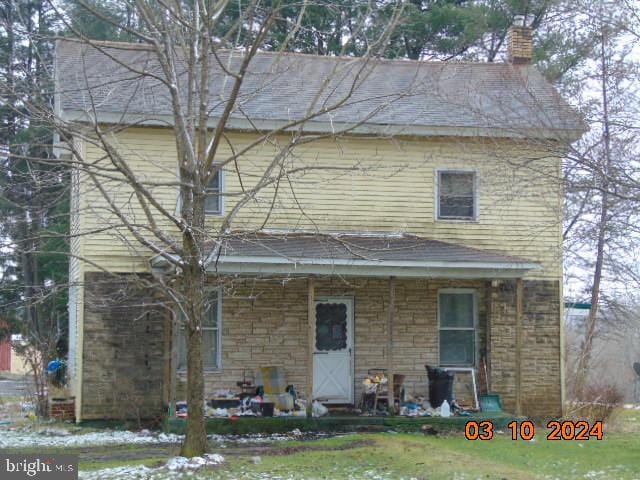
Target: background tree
pixel 33 190
pixel 602 209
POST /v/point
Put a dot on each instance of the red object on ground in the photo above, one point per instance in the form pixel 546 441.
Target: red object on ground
pixel 5 355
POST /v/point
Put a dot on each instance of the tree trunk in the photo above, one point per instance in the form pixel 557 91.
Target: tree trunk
pixel 195 443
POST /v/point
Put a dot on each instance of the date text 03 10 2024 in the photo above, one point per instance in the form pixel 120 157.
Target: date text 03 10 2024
pixel 526 430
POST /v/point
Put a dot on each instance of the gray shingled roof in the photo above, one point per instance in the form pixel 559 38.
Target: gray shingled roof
pixel 418 96
pixel 301 247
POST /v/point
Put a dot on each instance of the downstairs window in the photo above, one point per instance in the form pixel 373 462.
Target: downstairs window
pixel 211 338
pixel 457 327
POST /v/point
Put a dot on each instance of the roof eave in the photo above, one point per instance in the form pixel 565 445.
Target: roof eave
pixel 385 130
pixel 243 265
pixel 460 270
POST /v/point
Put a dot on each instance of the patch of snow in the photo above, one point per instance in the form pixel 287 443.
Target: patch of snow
pixel 61 437
pixel 594 474
pixel 137 472
pixel 173 467
pixel 57 437
pixel 184 463
pixel 295 434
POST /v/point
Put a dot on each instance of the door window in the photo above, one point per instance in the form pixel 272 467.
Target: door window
pixel 331 326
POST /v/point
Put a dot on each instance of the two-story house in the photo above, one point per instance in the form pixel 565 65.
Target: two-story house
pixel 429 233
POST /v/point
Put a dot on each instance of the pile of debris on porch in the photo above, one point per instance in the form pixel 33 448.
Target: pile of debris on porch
pixel 270 396
pixel 377 397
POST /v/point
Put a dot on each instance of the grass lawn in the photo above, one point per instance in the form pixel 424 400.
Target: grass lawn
pixel 392 456
pixel 388 455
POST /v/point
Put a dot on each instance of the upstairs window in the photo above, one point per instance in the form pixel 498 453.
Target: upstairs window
pixel 457 327
pixel 213 202
pixel 457 195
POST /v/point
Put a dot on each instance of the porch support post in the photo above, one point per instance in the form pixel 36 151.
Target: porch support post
pixel 175 330
pixel 310 337
pixel 490 293
pixel 390 317
pixel 166 357
pixel 519 315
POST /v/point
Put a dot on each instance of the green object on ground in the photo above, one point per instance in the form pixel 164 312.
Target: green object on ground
pixel 490 402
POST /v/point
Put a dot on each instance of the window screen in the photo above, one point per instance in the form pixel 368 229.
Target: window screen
pixel 456 195
pixel 457 329
pixel 213 202
pixel 210 340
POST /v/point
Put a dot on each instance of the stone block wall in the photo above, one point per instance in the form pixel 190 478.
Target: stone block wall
pixel 502 352
pixel 541 368
pixel 123 357
pixel 264 322
pixel 541 365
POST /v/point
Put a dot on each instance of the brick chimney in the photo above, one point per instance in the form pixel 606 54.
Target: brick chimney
pixel 520 41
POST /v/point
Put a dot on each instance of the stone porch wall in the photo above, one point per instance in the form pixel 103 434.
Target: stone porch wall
pixel 541 393
pixel 123 357
pixel 264 322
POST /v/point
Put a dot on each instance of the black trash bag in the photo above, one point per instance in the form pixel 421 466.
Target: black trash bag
pixel 440 386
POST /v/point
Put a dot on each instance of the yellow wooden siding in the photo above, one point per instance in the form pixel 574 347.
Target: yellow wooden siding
pixel 76 279
pixel 352 184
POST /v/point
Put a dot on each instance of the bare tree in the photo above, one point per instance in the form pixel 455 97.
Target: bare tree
pixel 180 57
pixel 602 173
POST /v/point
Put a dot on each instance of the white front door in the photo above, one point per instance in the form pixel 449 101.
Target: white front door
pixel 333 350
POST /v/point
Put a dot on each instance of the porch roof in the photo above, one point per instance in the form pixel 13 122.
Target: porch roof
pixel 361 255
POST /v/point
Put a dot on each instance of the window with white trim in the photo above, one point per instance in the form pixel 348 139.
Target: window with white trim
pixel 457 195
pixel 211 337
pixel 213 202
pixel 457 327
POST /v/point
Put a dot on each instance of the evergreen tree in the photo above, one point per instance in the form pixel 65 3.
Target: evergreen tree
pixel 33 189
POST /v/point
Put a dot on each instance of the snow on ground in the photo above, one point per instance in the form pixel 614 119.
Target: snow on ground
pixel 174 468
pixel 198 468
pixel 252 438
pixel 163 473
pixel 60 437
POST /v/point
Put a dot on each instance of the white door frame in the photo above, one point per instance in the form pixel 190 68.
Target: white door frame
pixel 350 302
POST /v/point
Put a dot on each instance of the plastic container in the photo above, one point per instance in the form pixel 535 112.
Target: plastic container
pixel 445 409
pixel 490 402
